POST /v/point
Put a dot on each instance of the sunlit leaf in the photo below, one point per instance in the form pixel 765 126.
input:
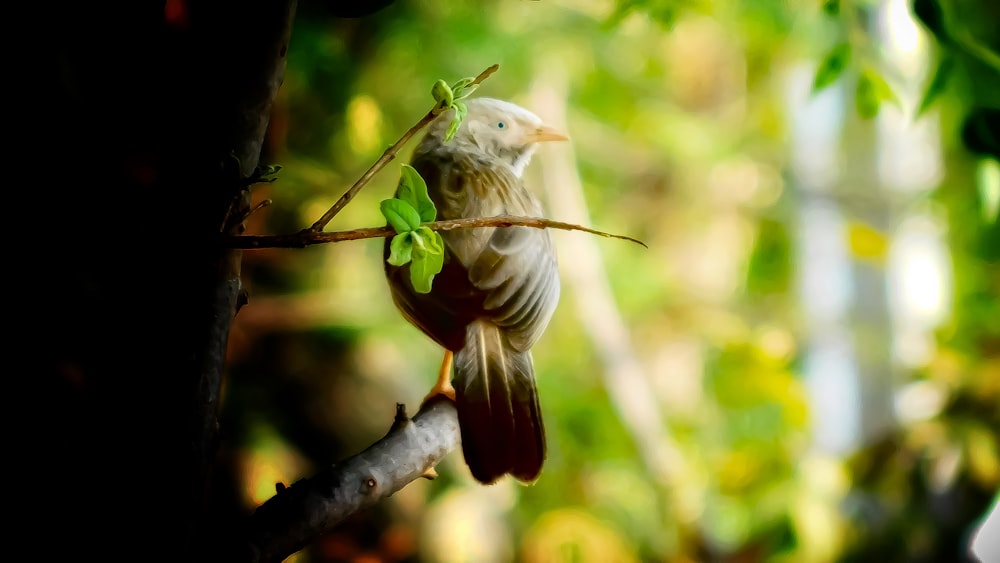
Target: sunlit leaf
pixel 431 240
pixel 400 214
pixel 442 95
pixel 771 262
pixel 865 100
pixel 937 84
pixel 463 88
pixel 413 190
pixel 462 84
pixel 988 181
pixel 400 249
pixel 871 92
pixel 422 271
pixel 427 259
pixel 833 66
pixel 460 113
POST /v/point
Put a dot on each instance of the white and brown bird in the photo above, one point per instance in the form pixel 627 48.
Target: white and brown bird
pixel 498 287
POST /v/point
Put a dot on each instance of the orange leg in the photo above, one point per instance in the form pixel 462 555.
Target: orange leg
pixel 443 385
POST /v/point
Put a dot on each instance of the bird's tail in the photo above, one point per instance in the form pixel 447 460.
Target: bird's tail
pixel 498 409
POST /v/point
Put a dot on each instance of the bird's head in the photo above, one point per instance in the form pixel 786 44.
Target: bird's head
pixel 501 130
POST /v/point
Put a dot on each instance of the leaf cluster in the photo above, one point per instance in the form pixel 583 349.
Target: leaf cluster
pixel 450 97
pixel 414 243
pixel 871 89
pixel 958 45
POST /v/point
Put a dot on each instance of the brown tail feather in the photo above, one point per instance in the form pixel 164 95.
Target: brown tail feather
pixel 498 409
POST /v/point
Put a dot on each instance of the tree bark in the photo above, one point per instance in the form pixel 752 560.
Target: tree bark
pixel 145 121
pixel 297 515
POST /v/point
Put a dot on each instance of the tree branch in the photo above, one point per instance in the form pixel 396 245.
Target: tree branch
pixel 386 158
pixel 307 237
pixel 297 515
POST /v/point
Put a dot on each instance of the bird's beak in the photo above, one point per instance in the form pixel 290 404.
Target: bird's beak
pixel 545 133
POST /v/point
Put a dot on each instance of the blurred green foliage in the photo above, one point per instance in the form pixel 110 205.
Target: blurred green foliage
pixel 680 126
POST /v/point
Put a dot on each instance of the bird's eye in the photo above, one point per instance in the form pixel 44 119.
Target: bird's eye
pixel 501 125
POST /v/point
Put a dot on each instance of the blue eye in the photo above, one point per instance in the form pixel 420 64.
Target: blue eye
pixel 501 125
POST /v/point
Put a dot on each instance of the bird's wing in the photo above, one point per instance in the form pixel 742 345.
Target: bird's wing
pixel 506 275
pixel 518 270
pixel 514 266
pixel 443 313
pixel 453 301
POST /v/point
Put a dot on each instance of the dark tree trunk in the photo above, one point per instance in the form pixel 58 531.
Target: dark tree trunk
pixel 143 122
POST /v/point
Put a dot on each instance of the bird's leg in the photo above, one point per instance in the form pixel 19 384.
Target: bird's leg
pixel 443 385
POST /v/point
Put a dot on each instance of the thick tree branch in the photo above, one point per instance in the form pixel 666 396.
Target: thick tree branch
pixel 297 515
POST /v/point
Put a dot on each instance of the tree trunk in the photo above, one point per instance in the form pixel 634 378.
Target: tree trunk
pixel 145 121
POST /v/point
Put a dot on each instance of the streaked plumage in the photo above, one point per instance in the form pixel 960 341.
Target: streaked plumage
pixel 498 287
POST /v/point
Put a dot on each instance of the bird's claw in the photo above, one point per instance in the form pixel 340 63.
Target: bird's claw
pixel 444 388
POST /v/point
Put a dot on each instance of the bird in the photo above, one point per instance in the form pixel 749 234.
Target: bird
pixel 498 287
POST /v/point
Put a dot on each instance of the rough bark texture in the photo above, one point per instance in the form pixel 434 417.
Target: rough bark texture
pixel 299 514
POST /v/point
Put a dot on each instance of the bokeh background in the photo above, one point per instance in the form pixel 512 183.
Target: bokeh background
pixel 804 365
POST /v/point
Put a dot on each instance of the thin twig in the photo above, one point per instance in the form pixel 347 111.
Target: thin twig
pixel 308 238
pixel 387 157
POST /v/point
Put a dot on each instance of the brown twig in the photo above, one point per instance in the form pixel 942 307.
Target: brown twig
pixel 308 238
pixel 386 158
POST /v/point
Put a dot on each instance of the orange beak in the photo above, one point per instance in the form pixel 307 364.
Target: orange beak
pixel 545 133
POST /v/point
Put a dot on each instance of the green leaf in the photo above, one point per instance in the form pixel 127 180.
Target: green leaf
pixel 937 84
pixel 988 181
pixel 431 240
pixel 400 249
pixel 463 83
pixel 832 67
pixel 443 95
pixel 872 90
pixel 460 113
pixel 831 7
pixel 423 249
pixel 413 190
pixel 427 259
pixel 400 214
pixel 865 99
pixel 463 88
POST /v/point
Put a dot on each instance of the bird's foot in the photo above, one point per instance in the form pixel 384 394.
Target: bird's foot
pixel 443 385
pixel 440 388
